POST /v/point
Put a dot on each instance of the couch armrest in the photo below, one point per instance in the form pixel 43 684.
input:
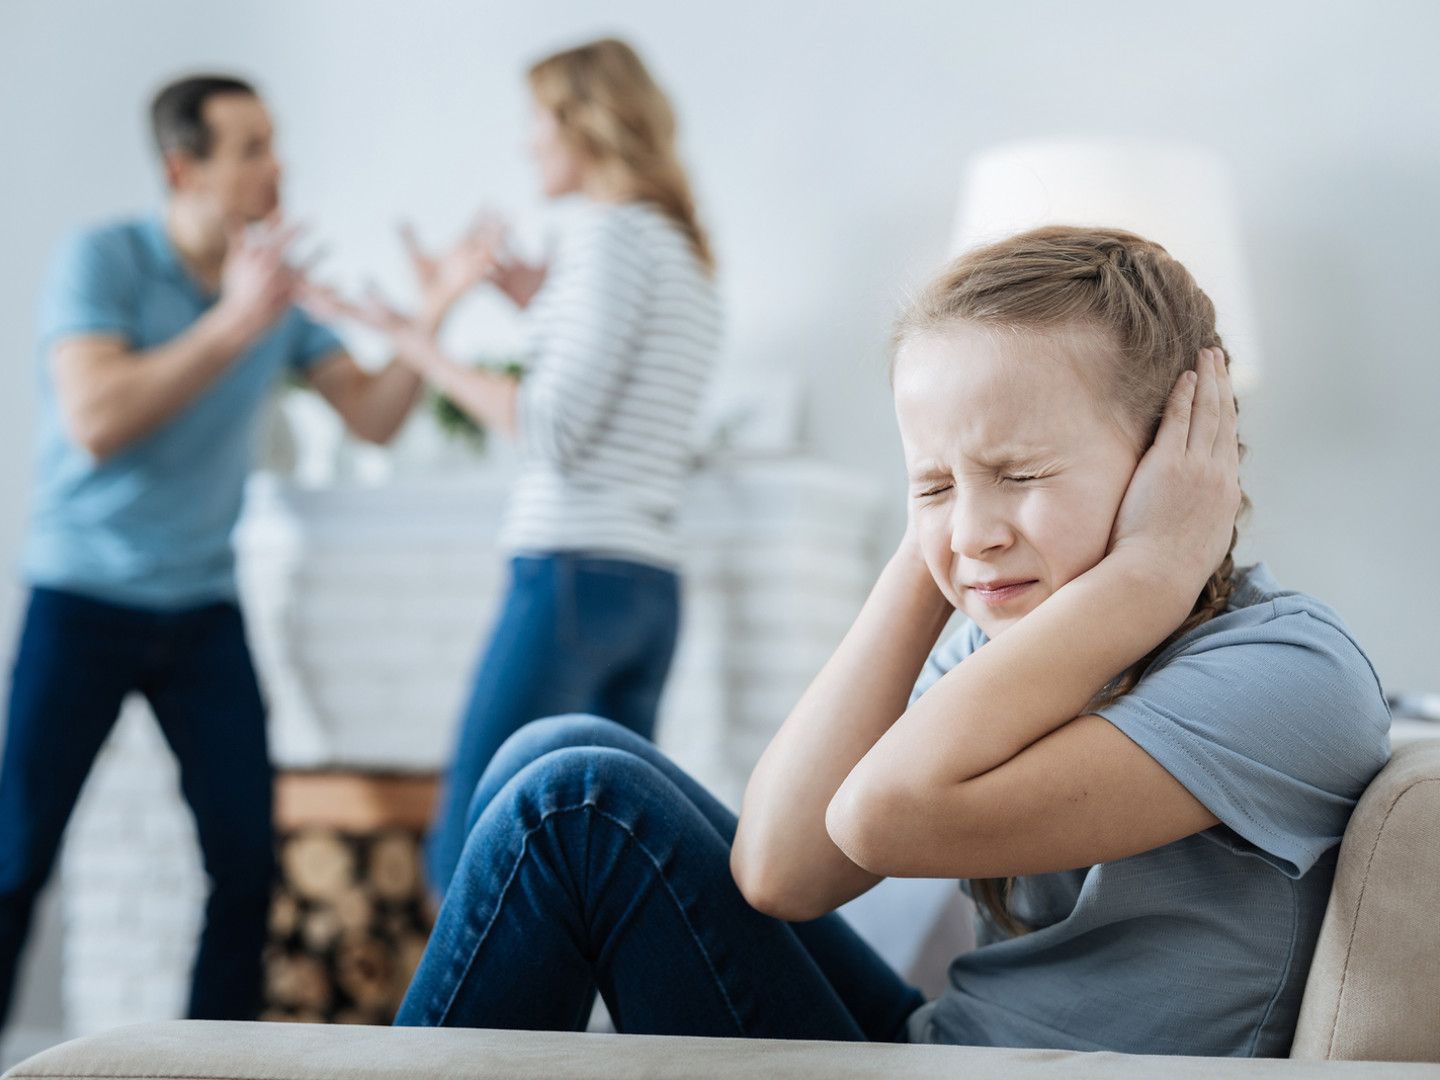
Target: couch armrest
pixel 1375 976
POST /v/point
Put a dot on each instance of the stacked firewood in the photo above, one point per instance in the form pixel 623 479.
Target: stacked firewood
pixel 351 914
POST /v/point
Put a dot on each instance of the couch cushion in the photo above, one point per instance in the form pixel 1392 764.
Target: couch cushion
pixel 1374 986
pixel 214 1050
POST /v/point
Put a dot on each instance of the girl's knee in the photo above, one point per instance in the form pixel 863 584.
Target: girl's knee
pixel 540 740
pixel 540 737
pixel 570 776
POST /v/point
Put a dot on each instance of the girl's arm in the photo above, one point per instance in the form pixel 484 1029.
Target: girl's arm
pixel 783 859
pixel 991 773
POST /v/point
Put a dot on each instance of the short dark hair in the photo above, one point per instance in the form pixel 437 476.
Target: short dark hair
pixel 177 114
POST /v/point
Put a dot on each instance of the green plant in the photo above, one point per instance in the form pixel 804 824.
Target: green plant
pixel 454 421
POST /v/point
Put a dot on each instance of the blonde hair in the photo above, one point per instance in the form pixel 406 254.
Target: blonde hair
pixel 1154 319
pixel 613 114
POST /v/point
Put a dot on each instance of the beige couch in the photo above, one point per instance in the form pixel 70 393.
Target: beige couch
pixel 1372 1004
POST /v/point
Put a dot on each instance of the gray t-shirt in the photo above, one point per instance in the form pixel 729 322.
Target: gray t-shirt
pixel 1270 715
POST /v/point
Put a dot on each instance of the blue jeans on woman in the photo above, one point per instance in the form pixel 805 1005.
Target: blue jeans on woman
pixel 78 658
pixel 594 863
pixel 577 633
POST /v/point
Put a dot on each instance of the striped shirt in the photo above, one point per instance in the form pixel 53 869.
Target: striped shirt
pixel 623 336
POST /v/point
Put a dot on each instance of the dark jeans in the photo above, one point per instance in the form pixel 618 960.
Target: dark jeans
pixel 77 660
pixel 595 863
pixel 576 633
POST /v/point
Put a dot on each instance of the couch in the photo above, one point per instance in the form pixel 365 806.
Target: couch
pixel 1371 1006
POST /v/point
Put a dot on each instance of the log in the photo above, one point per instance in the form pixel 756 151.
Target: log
pixel 297 981
pixel 354 909
pixel 319 929
pixel 394 866
pixel 318 864
pixel 363 971
pixel 284 915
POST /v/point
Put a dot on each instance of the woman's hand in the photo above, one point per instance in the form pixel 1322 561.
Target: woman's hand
pixel 446 277
pixel 1178 515
pixel 518 280
pixel 411 338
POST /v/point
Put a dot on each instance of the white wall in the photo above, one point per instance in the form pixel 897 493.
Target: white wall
pixel 828 140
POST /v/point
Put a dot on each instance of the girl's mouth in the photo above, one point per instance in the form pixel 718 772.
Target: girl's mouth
pixel 997 593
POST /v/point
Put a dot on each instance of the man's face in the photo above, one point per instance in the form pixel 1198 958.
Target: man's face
pixel 239 180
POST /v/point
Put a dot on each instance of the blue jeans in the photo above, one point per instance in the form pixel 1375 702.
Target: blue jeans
pixel 594 863
pixel 576 633
pixel 77 660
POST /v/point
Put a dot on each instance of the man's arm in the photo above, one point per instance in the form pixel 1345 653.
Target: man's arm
pixel 112 395
pixel 373 405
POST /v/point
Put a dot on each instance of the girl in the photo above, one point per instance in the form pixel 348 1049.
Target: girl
pixel 1142 756
pixel 625 327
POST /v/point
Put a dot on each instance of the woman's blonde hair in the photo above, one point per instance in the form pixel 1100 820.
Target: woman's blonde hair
pixel 1154 320
pixel 612 113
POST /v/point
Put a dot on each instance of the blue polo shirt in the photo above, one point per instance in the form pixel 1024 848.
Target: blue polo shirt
pixel 150 526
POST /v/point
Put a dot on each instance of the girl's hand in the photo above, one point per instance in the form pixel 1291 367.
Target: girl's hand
pixel 1178 515
pixel 909 562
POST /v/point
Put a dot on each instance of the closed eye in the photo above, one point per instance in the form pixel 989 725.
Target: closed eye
pixel 1017 479
pixel 936 490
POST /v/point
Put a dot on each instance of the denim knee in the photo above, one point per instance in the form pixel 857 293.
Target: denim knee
pixel 540 737
pixel 534 741
pixel 566 777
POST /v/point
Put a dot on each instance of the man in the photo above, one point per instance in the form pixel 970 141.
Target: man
pixel 159 339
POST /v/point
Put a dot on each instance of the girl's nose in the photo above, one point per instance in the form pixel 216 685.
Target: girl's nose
pixel 977 528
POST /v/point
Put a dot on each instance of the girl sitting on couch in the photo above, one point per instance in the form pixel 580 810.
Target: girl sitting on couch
pixel 1141 756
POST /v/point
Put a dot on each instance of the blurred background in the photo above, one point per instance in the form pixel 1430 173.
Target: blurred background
pixel 828 143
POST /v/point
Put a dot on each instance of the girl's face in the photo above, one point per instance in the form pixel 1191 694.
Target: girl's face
pixel 1015 473
pixel 556 161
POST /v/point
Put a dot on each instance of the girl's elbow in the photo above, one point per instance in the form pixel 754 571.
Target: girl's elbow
pixel 861 823
pixel 770 892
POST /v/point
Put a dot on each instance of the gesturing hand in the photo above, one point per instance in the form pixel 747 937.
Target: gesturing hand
pixel 257 283
pixel 518 280
pixel 446 277
pixel 413 341
pixel 1180 507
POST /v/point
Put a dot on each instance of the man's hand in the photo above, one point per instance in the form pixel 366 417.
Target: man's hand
pixel 257 284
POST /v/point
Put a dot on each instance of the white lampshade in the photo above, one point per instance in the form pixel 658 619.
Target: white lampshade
pixel 1178 195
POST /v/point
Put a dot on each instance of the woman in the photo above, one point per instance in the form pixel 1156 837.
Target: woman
pixel 624 332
